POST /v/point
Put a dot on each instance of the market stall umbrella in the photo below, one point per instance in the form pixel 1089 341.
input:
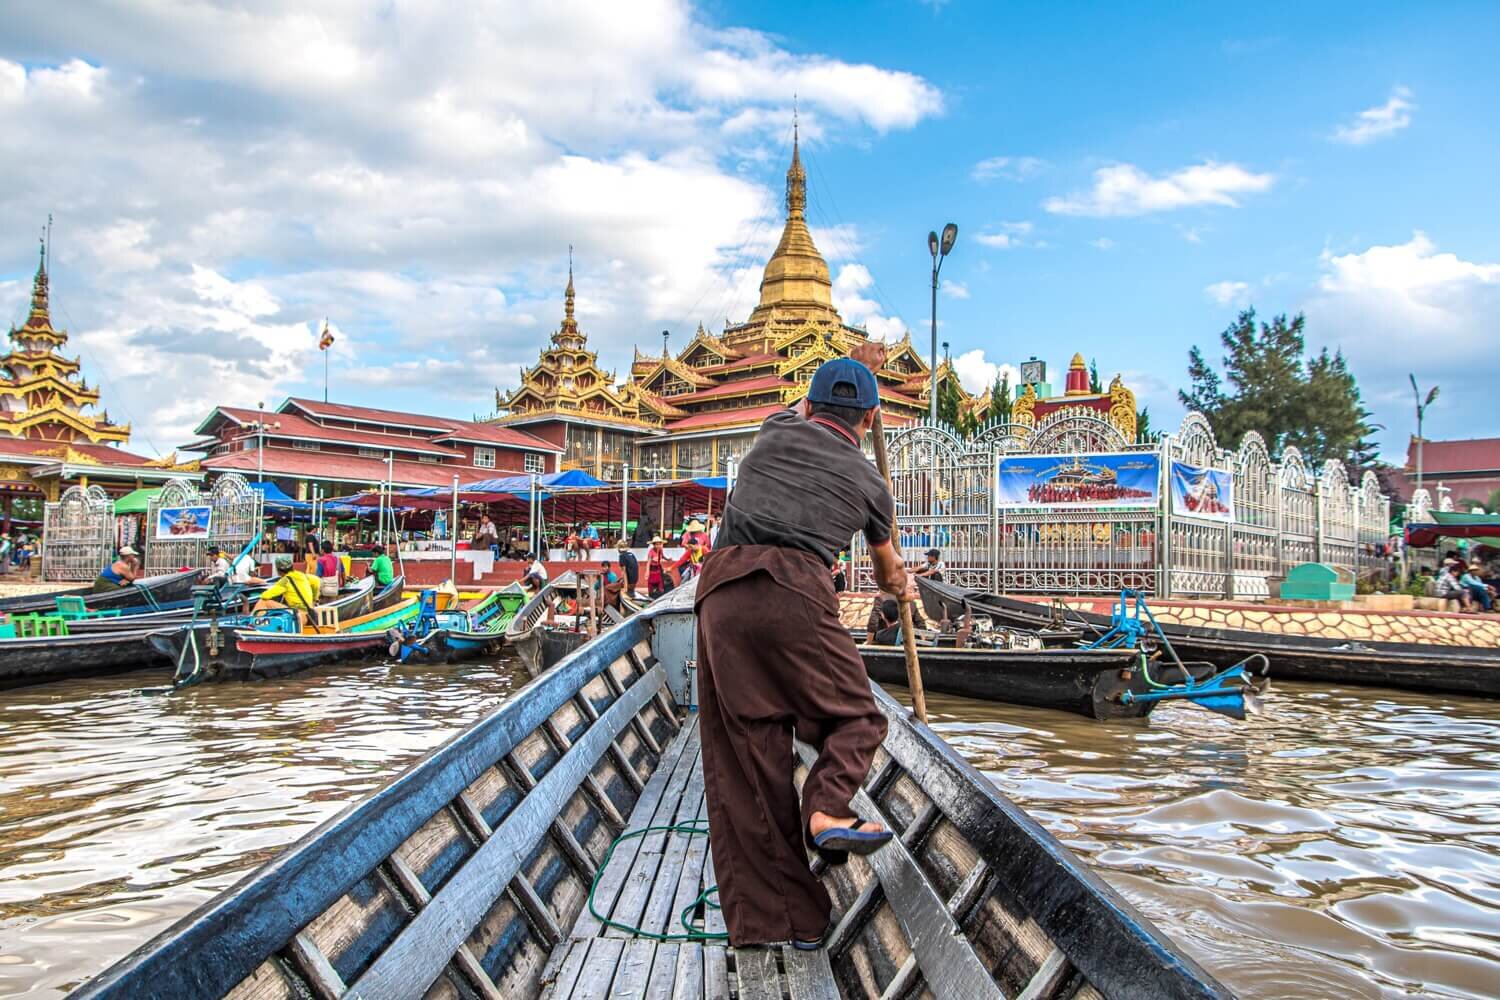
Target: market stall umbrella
pixel 136 501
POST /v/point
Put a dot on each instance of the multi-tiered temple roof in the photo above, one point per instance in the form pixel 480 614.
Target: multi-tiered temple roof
pixel 42 394
pixel 725 383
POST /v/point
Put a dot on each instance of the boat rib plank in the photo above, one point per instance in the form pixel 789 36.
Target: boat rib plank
pixel 315 967
pixel 690 884
pixel 715 972
pixel 755 970
pixel 635 968
pixel 660 984
pixel 809 976
pixel 422 949
pixel 946 959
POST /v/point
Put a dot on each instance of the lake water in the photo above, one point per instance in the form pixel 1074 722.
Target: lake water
pixel 1346 844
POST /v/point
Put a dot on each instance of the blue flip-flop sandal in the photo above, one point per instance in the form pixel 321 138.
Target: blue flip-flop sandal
pixel 853 839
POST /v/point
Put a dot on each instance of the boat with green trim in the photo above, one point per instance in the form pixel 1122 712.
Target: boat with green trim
pixel 465 633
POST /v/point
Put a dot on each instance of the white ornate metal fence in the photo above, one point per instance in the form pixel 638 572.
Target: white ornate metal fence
pixel 78 535
pixel 236 517
pixel 946 498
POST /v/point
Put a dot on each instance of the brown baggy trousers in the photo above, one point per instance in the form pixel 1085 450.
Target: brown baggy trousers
pixel 773 660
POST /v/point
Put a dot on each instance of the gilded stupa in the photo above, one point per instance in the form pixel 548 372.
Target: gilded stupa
pixel 42 394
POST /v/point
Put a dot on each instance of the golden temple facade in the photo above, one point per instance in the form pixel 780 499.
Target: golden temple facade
pixel 692 412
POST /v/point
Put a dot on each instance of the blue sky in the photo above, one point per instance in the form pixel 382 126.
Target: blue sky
pixel 1124 182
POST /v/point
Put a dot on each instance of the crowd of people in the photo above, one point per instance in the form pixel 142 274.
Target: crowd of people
pixel 1465 583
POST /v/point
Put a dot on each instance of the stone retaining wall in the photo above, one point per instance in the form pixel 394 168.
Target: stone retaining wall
pixel 1372 626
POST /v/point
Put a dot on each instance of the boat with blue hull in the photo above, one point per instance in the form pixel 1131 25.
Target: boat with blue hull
pixel 463 633
pixel 505 863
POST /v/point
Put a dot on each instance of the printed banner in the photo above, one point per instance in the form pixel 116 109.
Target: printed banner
pixel 1202 492
pixel 1113 479
pixel 183 523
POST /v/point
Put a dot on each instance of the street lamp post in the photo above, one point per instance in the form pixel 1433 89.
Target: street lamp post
pixel 260 448
pixel 940 250
pixel 1422 405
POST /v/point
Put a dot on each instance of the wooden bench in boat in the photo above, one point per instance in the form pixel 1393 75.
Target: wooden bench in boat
pixel 468 875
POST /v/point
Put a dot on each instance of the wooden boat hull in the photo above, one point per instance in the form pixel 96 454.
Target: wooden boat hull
pixel 210 650
pixel 544 646
pixel 24 662
pixel 1461 670
pixel 1086 682
pixel 261 655
pixel 164 589
pixel 468 874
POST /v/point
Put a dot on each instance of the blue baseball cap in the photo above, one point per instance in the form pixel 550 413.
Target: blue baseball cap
pixel 855 385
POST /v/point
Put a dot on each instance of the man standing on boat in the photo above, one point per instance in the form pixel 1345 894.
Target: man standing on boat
pixel 802 492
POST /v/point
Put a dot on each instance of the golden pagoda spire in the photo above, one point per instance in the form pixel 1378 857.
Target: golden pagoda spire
pixel 567 334
pixel 796 285
pixel 39 309
pixel 796 178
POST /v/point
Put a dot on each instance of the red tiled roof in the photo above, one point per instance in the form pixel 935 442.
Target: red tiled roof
pixel 344 468
pixel 749 361
pixel 101 453
pixel 342 411
pixel 743 415
pixel 295 425
pixel 1451 457
pixel 473 433
pixel 734 388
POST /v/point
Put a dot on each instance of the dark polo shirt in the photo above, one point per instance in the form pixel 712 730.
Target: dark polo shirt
pixel 806 485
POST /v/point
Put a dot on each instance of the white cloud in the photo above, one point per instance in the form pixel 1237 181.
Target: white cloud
pixel 237 175
pixel 1124 189
pixel 977 374
pixel 955 289
pixel 1102 243
pixel 1010 168
pixel 849 288
pixel 1228 292
pixel 1379 121
pixel 1407 307
pixel 997 241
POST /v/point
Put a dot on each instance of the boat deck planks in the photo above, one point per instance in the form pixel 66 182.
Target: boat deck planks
pixel 648 883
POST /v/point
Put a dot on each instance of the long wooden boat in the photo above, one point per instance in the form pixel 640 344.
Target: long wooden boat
pixel 150 591
pixel 211 650
pixel 543 631
pixel 1466 670
pixel 467 633
pixel 1088 682
pixel 470 875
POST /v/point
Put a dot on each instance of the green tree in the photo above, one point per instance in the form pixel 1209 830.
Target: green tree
pixel 1095 386
pixel 1000 400
pixel 1143 424
pixel 1269 386
pixel 951 411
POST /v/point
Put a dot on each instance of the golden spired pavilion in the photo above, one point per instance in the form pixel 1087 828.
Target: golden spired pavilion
pixel 48 438
pixel 691 413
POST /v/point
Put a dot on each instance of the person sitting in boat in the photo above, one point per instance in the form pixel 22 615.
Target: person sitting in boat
pixel 293 590
pixel 873 625
pixel 218 565
pixel 933 568
pixel 330 571
pixel 242 571
pixel 889 632
pixel 611 585
pixel 536 574
pixel 381 567
pixel 123 572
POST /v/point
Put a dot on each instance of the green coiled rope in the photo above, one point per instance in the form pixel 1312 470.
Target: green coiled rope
pixel 694 932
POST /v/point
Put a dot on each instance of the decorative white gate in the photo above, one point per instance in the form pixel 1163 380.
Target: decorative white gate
pixel 944 490
pixel 1254 547
pixel 1298 512
pixel 1198 548
pixel 236 517
pixel 78 535
pixel 1047 550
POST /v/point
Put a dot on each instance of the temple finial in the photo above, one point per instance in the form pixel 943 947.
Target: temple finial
pixel 796 177
pixel 568 295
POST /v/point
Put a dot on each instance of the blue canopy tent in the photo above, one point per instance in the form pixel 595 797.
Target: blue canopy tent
pixel 276 499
